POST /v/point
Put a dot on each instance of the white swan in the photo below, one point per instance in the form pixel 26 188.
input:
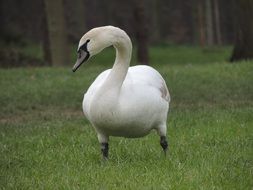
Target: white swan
pixel 123 101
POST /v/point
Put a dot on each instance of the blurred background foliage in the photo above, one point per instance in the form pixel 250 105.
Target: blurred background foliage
pixel 45 32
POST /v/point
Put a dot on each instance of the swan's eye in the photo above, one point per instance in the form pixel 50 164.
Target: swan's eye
pixel 84 46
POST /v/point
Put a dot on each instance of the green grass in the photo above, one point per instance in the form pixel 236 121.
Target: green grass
pixel 46 143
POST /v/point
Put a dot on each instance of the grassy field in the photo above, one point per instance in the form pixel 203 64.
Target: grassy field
pixel 46 143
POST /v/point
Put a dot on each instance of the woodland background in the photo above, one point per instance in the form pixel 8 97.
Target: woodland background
pixel 55 26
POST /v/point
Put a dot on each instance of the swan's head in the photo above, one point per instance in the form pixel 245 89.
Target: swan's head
pixel 94 42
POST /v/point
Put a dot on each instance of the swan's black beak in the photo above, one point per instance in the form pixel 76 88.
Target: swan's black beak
pixel 82 57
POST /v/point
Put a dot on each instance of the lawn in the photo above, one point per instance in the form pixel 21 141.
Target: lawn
pixel 46 143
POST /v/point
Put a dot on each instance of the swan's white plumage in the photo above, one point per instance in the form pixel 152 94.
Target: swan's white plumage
pixel 122 101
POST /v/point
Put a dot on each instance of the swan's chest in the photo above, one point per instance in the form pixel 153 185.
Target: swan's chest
pixel 100 108
pixel 119 119
pixel 113 121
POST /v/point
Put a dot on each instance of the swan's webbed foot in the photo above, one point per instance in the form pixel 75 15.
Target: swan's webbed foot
pixel 164 143
pixel 104 150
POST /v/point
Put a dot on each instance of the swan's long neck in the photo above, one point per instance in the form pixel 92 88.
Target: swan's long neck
pixel 119 70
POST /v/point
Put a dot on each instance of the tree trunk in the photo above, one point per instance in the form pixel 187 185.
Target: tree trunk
pixel 80 16
pixel 202 36
pixel 209 23
pixel 1 18
pixel 75 19
pixel 59 52
pixel 45 37
pixel 217 21
pixel 156 20
pixel 141 32
pixel 243 48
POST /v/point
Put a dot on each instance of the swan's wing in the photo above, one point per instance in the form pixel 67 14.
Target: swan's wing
pixel 164 91
pixel 145 75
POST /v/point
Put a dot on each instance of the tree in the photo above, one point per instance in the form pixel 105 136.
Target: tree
pixel 243 48
pixel 209 23
pixel 45 37
pixel 201 27
pixel 155 18
pixel 141 32
pixel 75 19
pixel 217 21
pixel 56 46
pixel 1 18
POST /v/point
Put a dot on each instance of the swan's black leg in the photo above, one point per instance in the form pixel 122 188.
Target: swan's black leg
pixel 164 143
pixel 104 150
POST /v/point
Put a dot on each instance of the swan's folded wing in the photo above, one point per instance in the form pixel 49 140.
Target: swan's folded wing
pixel 165 92
pixel 145 75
